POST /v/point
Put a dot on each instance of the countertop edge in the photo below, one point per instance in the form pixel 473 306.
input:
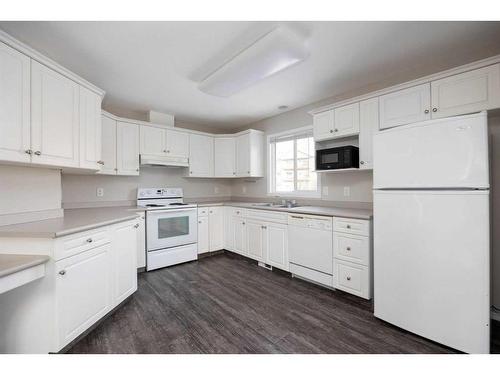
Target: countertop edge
pixel 38 259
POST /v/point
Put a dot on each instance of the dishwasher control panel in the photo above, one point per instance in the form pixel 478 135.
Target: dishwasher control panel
pixel 310 221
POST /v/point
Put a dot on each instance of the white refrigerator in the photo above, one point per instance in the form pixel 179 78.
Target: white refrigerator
pixel 432 231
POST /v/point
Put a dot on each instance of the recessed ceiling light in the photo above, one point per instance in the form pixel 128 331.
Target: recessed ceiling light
pixel 272 53
pixel 282 107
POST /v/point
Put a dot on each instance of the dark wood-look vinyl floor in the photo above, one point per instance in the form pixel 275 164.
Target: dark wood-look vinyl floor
pixel 228 304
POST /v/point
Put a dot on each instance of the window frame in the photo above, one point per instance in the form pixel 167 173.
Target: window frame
pixel 271 166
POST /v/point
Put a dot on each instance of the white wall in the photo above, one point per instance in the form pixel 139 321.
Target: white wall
pixel 80 190
pixel 25 189
pixel 360 183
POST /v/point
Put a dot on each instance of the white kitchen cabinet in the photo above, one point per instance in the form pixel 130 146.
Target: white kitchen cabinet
pixel 346 120
pixel 127 149
pixel 203 235
pixel 141 241
pixel 368 126
pixel 256 245
pixel 54 118
pixel 108 145
pixel 229 223
pixel 225 157
pixel 216 227
pixel 90 129
pixel 240 236
pixel 152 141
pixel 323 125
pixel 83 292
pixel 468 92
pixel 405 106
pixel 276 245
pixel 250 154
pixel 177 144
pixel 15 123
pixel 124 244
pixel 201 155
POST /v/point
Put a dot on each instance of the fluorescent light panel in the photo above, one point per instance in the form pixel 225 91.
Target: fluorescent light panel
pixel 274 52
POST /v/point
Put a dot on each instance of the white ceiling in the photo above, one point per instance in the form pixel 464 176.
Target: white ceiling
pixel 155 65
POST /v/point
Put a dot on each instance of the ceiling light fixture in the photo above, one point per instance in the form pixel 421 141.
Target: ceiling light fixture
pixel 270 54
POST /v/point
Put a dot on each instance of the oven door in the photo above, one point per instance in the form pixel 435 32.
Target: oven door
pixel 171 228
pixel 330 159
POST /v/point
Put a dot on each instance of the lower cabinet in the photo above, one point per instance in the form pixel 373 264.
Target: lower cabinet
pixel 124 243
pixel 210 229
pixel 276 245
pixel 240 236
pixel 203 235
pixel 255 240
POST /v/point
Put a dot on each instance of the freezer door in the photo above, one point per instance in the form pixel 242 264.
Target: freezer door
pixel 444 153
pixel 431 265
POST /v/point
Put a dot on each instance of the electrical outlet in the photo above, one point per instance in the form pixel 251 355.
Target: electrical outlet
pixel 347 191
pixel 216 189
pixel 325 190
pixel 244 189
pixel 100 192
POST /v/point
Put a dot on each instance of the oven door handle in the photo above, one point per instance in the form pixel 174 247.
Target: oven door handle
pixel 159 212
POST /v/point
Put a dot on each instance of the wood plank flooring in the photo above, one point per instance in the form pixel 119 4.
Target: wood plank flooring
pixel 227 304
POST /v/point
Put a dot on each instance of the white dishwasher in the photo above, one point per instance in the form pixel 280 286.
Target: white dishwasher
pixel 310 239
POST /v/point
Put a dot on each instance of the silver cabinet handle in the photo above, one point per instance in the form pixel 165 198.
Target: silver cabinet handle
pixel 136 225
pixel 348 226
pixel 297 217
pixel 199 222
pixel 426 111
pixel 331 130
pixel 89 240
pixel 243 222
pixel 361 162
pixel 137 170
pixel 348 248
pixel 348 278
pixel 29 152
pixel 434 109
pixel 336 130
pixel 211 212
pixel 100 162
pixel 38 153
pixel 62 272
pixel 234 173
pixel 165 151
pixel 168 151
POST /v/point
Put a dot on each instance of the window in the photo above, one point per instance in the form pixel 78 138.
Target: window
pixel 291 164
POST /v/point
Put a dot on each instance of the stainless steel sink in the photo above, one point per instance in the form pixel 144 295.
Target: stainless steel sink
pixel 276 205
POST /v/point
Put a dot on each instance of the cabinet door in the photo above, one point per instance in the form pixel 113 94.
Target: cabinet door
pixel 225 157
pixel 125 260
pixel 83 291
pixel 14 105
pixel 152 141
pixel 141 242
pixel 240 236
pixel 276 245
pixel 108 145
pixel 346 120
pixel 127 149
pixel 55 118
pixel 368 126
pixel 201 155
pixel 323 125
pixel 177 144
pixel 255 240
pixel 468 92
pixel 243 155
pixel 229 223
pixel 90 129
pixel 203 235
pixel 405 106
pixel 216 227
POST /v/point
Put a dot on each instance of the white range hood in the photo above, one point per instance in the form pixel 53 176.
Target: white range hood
pixel 164 161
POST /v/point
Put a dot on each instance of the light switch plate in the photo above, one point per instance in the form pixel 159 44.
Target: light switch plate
pixel 347 191
pixel 100 192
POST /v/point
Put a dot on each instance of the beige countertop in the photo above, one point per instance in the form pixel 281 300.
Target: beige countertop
pixel 12 263
pixel 354 213
pixel 73 221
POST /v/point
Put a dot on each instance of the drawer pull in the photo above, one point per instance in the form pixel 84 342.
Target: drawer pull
pixel 348 248
pixel 348 278
pixel 237 212
pixel 62 272
pixel 348 226
pixel 297 217
pixel 136 226
pixel 199 222
pixel 89 240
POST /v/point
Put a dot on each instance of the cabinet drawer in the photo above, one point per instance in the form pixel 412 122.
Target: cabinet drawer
pixel 216 210
pixel 203 211
pixel 236 211
pixel 77 243
pixel 352 226
pixel 271 216
pixel 352 248
pixel 352 278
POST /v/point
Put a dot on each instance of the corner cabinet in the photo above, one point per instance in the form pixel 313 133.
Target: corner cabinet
pixel 250 154
pixel 225 157
pixel 201 155
pixel 211 222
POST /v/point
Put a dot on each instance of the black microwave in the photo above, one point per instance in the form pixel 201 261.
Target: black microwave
pixel 337 158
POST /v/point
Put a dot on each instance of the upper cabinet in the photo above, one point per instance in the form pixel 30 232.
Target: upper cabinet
pixel 15 124
pixel 201 155
pixel 405 106
pixel 55 118
pixel 336 123
pixel 152 141
pixel 161 144
pixel 468 92
pixel 368 124
pixel 90 129
pixel 250 154
pixel 127 149
pixel 225 157
pixel 177 144
pixel 108 152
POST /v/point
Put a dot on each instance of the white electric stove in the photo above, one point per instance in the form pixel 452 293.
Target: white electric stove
pixel 171 227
